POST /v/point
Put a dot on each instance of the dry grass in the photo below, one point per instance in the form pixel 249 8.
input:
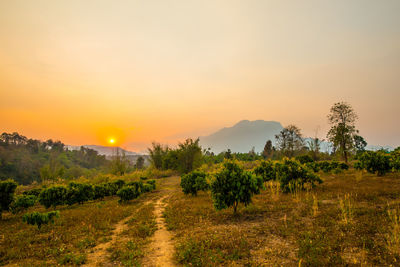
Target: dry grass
pixel 288 229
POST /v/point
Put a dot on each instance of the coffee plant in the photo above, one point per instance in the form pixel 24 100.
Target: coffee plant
pixel 7 189
pixel 127 193
pixel 266 170
pixel 38 219
pixel 378 162
pixel 193 182
pixel 289 172
pixel 232 185
pixel 53 196
pixel 22 202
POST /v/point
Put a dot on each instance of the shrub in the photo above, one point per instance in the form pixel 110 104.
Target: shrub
pixel 193 182
pixel 143 178
pixel 266 170
pixel 232 185
pixel 33 192
pixel 147 188
pixel 138 186
pixel 100 191
pixel 22 202
pixel 395 160
pixel 153 183
pixel 303 159
pixel 79 193
pixel 289 172
pixel 53 196
pixel 38 219
pixel 375 162
pixel 127 193
pixel 7 189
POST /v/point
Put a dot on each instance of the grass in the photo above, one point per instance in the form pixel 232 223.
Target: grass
pixel 129 249
pixel 307 228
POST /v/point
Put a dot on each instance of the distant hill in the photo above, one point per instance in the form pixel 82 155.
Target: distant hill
pixel 104 150
pixel 242 136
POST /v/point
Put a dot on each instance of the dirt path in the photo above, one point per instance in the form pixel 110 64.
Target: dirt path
pixel 99 255
pixel 161 248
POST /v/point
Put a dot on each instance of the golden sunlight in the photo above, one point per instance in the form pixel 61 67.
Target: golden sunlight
pixel 111 141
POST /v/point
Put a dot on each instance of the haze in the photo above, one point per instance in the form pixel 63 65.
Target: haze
pixel 136 71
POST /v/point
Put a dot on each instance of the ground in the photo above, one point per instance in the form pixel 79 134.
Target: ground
pixel 349 220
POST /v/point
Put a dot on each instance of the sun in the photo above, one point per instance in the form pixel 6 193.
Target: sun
pixel 111 141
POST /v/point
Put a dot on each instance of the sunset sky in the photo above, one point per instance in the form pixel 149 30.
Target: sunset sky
pixel 86 71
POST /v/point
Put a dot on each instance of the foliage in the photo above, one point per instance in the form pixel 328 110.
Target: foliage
pixel 38 219
pixel 119 163
pixel 289 172
pixel 232 185
pixel 266 170
pixel 342 119
pixel 327 166
pixel 7 189
pixel 375 162
pixel 127 193
pixel 268 150
pixel 53 196
pixel 289 140
pixel 33 192
pixel 28 160
pixel 303 159
pixel 79 193
pixel 22 202
pixel 193 182
pixel 152 183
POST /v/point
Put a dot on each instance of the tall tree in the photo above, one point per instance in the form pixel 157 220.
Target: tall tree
pixel 267 152
pixel 289 140
pixel 342 119
pixel 359 143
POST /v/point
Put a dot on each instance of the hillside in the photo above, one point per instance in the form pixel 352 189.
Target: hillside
pixel 242 136
pixel 104 150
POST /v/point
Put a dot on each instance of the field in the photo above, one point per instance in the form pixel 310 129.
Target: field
pixel 349 220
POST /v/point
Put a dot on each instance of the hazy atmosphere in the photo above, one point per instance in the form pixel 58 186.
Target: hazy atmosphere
pixel 136 71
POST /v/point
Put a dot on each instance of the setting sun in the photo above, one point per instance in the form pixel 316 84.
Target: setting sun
pixel 111 141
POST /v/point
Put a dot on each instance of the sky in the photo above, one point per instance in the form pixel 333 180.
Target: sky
pixel 139 71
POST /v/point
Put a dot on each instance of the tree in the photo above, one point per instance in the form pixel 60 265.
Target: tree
pixel 359 143
pixel 157 153
pixel 140 163
pixel 232 185
pixel 189 155
pixel 7 189
pixel 267 152
pixel 342 120
pixel 289 140
pixel 193 182
pixel 119 163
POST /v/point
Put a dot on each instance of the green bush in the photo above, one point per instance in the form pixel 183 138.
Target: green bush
pixel 303 159
pixel 127 193
pixel 193 182
pixel 290 171
pixel 153 183
pixel 395 160
pixel 22 202
pixel 100 191
pixel 375 162
pixel 33 192
pixel 53 196
pixel 143 178
pixel 266 170
pixel 7 189
pixel 147 188
pixel 38 219
pixel 138 186
pixel 79 193
pixel 232 185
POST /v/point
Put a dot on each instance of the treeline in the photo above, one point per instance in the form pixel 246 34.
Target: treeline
pixel 27 160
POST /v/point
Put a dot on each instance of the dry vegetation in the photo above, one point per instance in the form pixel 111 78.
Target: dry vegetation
pixel 347 220
pixel 344 221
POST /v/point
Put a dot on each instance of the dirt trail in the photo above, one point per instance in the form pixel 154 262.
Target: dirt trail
pixel 161 249
pixel 99 255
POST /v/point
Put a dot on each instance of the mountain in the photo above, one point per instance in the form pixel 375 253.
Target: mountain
pixel 242 136
pixel 104 150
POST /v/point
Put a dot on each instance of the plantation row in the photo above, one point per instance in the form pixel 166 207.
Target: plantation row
pixel 232 184
pixel 66 195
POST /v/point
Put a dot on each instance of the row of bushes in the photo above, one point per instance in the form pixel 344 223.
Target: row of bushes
pixel 60 195
pixel 133 190
pixel 232 184
pixel 379 162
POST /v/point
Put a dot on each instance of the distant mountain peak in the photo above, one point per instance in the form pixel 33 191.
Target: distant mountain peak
pixel 242 136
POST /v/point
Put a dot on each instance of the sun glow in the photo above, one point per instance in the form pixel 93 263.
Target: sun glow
pixel 111 141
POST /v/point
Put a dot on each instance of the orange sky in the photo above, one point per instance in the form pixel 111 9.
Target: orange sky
pixel 137 71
